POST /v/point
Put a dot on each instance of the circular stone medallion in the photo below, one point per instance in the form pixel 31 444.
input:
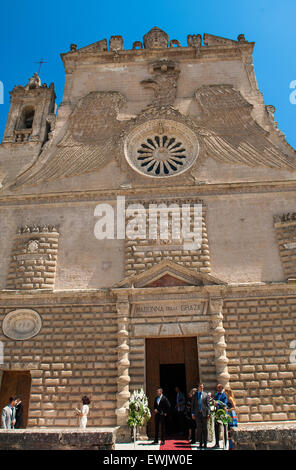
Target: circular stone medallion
pixel 161 148
pixel 21 324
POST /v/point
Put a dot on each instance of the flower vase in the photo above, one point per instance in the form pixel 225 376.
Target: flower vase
pixel 226 432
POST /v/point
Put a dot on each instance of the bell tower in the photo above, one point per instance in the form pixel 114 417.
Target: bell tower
pixel 31 109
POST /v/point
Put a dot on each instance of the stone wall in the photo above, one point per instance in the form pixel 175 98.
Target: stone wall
pixel 264 437
pixel 143 254
pixel 258 336
pixel 74 354
pixel 50 439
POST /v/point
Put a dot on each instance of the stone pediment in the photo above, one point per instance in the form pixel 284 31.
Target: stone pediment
pixel 212 40
pixel 98 46
pixel 169 274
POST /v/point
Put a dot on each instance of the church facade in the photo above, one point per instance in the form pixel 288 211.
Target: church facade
pixel 100 298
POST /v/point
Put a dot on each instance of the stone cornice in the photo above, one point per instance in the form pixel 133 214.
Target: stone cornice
pixel 234 291
pixel 48 297
pixel 109 296
pixel 95 56
pixel 275 289
pixel 174 191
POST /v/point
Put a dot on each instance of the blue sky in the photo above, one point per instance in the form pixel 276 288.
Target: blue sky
pixel 31 30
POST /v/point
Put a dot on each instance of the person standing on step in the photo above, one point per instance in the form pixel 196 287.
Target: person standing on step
pixel 82 414
pixel 190 423
pixel 8 415
pixel 201 414
pixel 161 409
pixel 231 410
pixel 220 396
pixel 19 411
pixel 180 408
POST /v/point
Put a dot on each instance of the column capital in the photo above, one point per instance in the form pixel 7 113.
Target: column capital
pixel 123 307
pixel 216 305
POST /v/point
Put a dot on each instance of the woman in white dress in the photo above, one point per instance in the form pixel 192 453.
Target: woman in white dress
pixel 84 412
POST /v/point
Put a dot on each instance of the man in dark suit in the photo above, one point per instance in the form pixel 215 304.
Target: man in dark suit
pixel 201 414
pixel 19 410
pixel 180 409
pixel 161 409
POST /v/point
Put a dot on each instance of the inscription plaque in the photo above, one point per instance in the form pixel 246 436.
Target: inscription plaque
pixel 194 308
pixel 21 324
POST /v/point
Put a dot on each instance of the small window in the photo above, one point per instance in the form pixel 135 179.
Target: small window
pixel 27 118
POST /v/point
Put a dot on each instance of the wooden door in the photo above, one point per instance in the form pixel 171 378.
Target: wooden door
pixel 16 383
pixel 161 351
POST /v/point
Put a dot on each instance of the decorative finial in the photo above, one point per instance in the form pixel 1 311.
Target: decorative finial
pixel 156 39
pixel 34 82
pixel 241 38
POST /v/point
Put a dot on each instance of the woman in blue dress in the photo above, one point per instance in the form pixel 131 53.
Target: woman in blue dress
pixel 231 410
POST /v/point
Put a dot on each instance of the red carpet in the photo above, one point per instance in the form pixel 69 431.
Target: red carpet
pixel 173 444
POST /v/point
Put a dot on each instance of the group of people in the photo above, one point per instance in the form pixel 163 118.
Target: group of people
pixel 193 415
pixel 12 414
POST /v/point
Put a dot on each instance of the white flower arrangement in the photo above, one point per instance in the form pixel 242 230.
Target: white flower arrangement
pixel 139 413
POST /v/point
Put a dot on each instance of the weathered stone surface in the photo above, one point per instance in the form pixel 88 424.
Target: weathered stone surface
pixel 57 439
pixel 264 437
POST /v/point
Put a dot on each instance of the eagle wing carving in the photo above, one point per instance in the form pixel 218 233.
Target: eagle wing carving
pixel 231 135
pixel 88 145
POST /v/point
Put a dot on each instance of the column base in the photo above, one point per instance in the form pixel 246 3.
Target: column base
pixel 123 434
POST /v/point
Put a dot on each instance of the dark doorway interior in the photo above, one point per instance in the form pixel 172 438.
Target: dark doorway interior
pixel 172 375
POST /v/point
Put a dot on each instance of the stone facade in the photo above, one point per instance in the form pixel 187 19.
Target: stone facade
pixel 258 334
pixel 186 126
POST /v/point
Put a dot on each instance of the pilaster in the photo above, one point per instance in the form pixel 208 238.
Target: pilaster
pixel 123 363
pixel 218 332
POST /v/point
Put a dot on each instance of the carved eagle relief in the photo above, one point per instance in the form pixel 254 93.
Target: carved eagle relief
pixel 226 131
pixel 92 135
pixel 231 135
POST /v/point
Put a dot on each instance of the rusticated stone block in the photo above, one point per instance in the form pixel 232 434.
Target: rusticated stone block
pixel 153 251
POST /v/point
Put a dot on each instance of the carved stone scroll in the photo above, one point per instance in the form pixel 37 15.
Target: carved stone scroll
pixel 123 378
pixel 164 80
pixel 221 360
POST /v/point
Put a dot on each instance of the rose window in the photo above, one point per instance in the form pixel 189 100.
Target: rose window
pixel 161 155
pixel 161 148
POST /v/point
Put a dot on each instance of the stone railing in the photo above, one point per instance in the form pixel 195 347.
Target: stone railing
pixel 22 135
